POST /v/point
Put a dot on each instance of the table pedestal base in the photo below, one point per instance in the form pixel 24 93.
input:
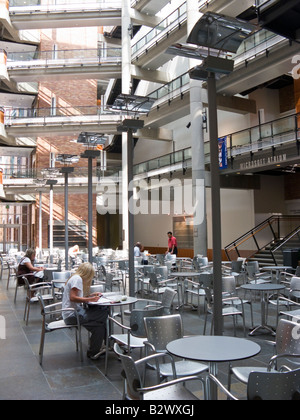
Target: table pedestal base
pixel 263 327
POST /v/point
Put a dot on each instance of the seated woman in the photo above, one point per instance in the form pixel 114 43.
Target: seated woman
pixel 26 267
pixel 93 317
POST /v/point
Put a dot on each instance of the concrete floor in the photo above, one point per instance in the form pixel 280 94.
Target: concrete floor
pixel 63 376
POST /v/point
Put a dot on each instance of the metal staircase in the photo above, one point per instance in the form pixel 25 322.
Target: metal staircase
pixel 267 241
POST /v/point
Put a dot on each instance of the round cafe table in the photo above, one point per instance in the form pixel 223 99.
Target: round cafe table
pixel 277 269
pixel 182 275
pixel 264 289
pixel 213 349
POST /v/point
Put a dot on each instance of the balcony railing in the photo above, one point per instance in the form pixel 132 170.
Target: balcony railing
pixel 64 57
pixel 22 6
pixel 266 136
pixel 171 22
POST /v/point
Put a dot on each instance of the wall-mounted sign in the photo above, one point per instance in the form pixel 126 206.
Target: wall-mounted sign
pixel 222 152
pixel 257 163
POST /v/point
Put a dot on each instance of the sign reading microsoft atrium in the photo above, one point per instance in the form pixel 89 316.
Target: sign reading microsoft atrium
pixel 256 163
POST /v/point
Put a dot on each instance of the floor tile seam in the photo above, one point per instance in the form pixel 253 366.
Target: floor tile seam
pixel 106 378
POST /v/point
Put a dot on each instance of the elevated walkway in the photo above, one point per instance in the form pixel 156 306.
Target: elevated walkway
pixel 65 15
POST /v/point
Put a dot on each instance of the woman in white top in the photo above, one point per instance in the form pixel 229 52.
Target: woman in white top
pixel 93 317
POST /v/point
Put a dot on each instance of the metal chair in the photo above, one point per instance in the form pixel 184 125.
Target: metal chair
pixel 159 286
pixel 161 331
pixel 58 281
pixel 134 388
pixel 12 271
pixel 194 288
pixel 32 290
pixel 20 283
pixel 292 300
pixel 143 280
pixel 135 334
pixel 56 309
pixel 166 302
pixel 287 347
pixel 229 305
pixel 266 386
pixel 230 289
pixel 255 275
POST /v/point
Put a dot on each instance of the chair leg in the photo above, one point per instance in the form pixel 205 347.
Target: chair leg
pixel 41 352
pixel 229 377
pixel 80 342
pixel 25 310
pixel 16 291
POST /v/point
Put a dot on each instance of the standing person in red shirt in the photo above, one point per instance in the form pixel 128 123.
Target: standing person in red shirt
pixel 172 244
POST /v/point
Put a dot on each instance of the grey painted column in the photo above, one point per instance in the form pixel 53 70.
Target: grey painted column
pixel 127 149
pixel 215 204
pixel 126 83
pixel 66 170
pixel 90 155
pixel 131 271
pixel 197 143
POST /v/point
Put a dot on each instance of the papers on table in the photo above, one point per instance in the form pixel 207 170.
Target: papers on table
pixel 109 299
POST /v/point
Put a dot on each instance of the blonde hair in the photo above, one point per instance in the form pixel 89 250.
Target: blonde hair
pixel 86 272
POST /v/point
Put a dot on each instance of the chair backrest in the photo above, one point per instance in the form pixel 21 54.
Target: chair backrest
pixel 123 265
pixel 196 264
pixel 237 266
pixel 109 280
pixel 206 281
pixel 137 316
pixel 48 273
pixel 288 341
pixel 61 275
pixel 274 386
pixel 161 330
pixel 162 271
pixel 148 269
pixel 42 304
pixel 168 298
pixel 153 280
pixel 229 285
pixel 160 258
pixel 102 272
pixel 253 264
pixel 133 379
pixel 295 287
pixel 252 268
pixel 202 261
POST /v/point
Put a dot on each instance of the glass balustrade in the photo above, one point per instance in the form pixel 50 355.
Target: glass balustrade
pixel 253 139
pixel 170 22
pixel 63 5
pixel 15 59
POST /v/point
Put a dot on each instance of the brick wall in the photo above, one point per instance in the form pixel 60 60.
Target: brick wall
pixel 69 94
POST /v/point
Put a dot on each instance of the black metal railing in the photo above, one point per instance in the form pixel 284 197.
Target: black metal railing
pixel 265 234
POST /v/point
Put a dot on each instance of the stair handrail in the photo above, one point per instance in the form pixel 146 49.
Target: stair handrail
pixel 286 239
pixel 254 231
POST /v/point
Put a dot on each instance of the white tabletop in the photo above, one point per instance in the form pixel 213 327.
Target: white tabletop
pixel 114 299
pixel 213 348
